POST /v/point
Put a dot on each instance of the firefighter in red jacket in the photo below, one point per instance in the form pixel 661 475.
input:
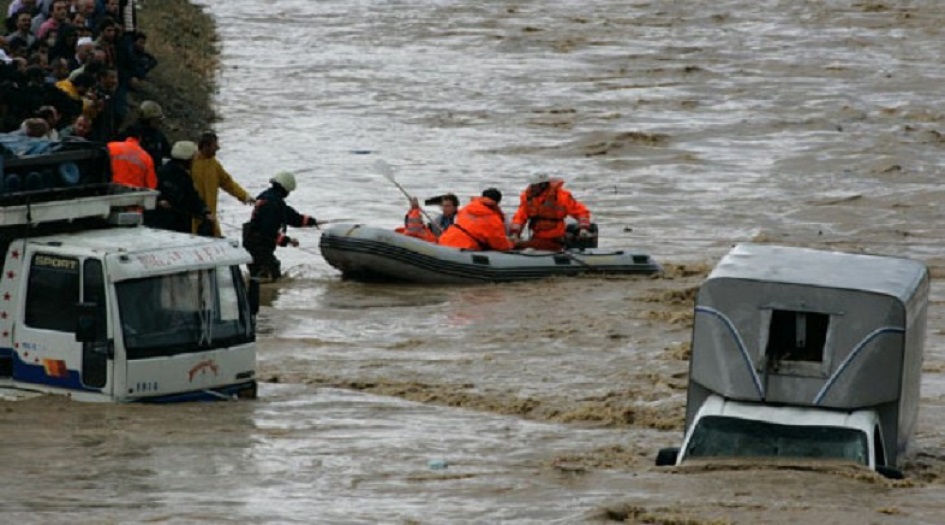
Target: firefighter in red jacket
pixel 544 206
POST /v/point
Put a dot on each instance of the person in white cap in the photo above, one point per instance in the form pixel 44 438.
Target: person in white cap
pixel 84 47
pixel 267 227
pixel 543 207
pixel 178 203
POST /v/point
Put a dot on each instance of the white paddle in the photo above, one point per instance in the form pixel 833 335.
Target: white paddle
pixel 384 169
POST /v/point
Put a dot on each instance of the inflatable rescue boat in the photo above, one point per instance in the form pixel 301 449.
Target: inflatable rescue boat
pixel 376 254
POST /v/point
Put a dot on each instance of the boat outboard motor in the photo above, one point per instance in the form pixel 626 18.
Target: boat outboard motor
pixel 574 242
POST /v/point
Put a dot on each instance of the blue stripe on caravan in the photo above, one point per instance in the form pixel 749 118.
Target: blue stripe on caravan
pixel 856 351
pixel 739 342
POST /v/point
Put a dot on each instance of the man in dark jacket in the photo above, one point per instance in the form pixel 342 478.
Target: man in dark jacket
pixel 266 229
pixel 148 130
pixel 179 202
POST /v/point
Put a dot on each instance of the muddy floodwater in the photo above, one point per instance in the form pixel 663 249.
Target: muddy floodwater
pixel 685 126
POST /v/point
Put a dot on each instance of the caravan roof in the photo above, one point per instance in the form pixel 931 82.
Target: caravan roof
pixel 893 276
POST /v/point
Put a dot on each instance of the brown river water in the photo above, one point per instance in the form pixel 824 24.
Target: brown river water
pixel 685 127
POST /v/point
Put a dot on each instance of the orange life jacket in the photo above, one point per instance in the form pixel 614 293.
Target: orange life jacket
pixel 480 225
pixel 414 227
pixel 546 211
pixel 131 164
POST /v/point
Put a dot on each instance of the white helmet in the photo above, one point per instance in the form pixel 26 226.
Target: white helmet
pixel 284 179
pixel 183 150
pixel 538 177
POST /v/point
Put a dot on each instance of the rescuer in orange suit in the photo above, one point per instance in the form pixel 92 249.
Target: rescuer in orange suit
pixel 480 225
pixel 544 205
pixel 414 225
pixel 413 221
pixel 131 164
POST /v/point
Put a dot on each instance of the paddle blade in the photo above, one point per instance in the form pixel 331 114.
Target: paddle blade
pixel 384 169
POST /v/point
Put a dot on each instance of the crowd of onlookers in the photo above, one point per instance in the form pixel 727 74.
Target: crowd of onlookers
pixel 66 67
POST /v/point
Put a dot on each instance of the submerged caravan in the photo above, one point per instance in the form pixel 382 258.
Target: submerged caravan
pixel 801 354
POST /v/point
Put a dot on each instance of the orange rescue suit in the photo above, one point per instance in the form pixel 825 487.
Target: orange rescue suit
pixel 414 227
pixel 131 164
pixel 480 225
pixel 546 211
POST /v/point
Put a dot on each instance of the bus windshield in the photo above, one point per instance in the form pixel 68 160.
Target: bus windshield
pixel 183 312
pixel 718 436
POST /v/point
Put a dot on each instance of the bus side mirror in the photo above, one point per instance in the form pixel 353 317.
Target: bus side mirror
pixel 86 326
pixel 666 457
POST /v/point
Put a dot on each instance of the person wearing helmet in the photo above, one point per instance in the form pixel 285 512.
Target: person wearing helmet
pixel 178 204
pixel 267 227
pixel 543 206
pixel 480 225
pixel 148 130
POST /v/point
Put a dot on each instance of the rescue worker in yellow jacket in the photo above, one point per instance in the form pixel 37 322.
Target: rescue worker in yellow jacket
pixel 543 207
pixel 209 178
pixel 480 225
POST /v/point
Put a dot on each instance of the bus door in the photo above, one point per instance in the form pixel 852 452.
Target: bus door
pixel 58 288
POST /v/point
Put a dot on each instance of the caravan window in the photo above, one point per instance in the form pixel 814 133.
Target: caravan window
pixel 797 336
pixel 52 293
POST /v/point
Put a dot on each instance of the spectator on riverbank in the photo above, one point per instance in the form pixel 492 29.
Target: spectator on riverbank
pixel 78 130
pixel 51 115
pixel 17 6
pixel 134 60
pixel 84 15
pixel 83 52
pixel 105 123
pixel 78 90
pixel 22 22
pixel 50 39
pixel 57 20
